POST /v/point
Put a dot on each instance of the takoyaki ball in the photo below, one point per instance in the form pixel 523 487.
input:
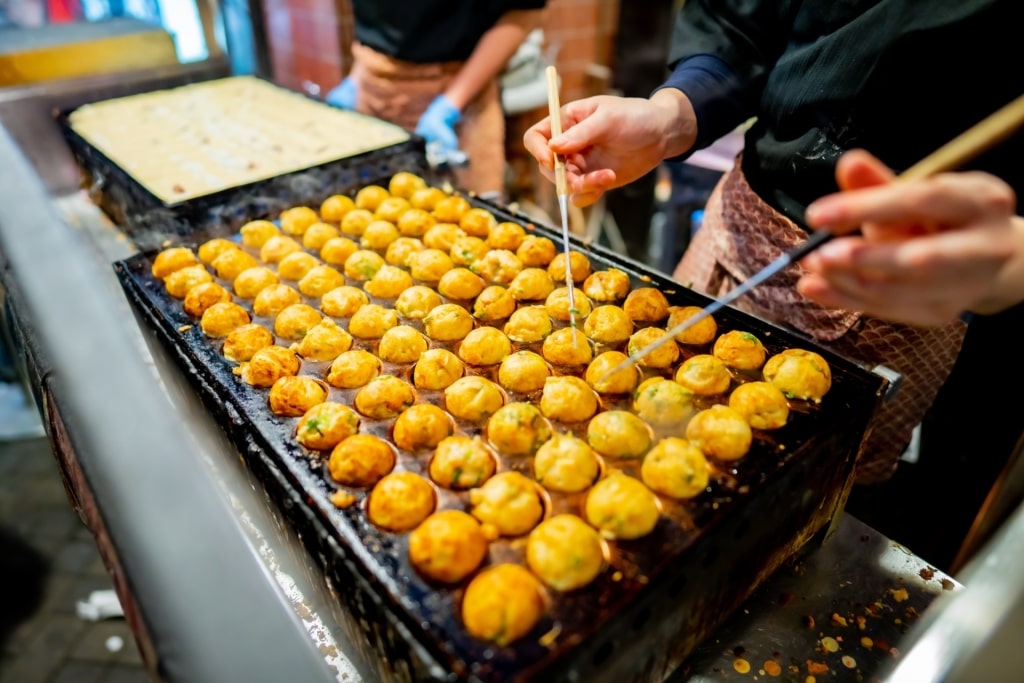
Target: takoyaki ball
pixel 294 266
pixel 662 357
pixel 228 264
pixel 499 266
pixel 277 247
pixel 405 183
pixel 523 372
pixel 608 324
pixel 494 303
pixel 360 460
pixel 252 281
pixel 477 222
pixel 580 267
pixel 621 507
pixel 211 249
pixel 400 250
pixel 506 235
pixel 460 284
pixel 324 341
pixel 467 250
pixel 402 344
pixel 384 397
pixel 618 434
pixel 256 233
pixel 509 502
pixel 567 347
pixel 400 501
pixel 273 299
pixel 391 209
pixel 663 403
pixel 704 375
pixel 219 319
pixel 701 332
pixel 180 282
pixel 461 462
pixel 335 207
pixel 531 284
pixel 295 321
pixel 559 308
pixel 502 604
pixel 343 302
pixel 740 350
pixel 422 426
pixel 292 396
pixel 607 286
pixel 565 552
pixel 721 432
pixel 762 404
pixel 529 324
pixel 565 463
pixel 389 282
pixel 363 264
pixel 568 399
pixel 436 369
pixel 518 429
pixel 268 365
pixel 244 341
pixel 325 425
pixel 622 381
pixel 319 280
pixel 646 304
pixel 316 236
pixel 442 236
pixel 417 301
pixel 427 198
pixel 353 369
pixel 448 546
pixel 172 259
pixel 204 295
pixel 372 321
pixel 451 209
pixel 484 346
pixel 676 468
pixel 378 235
pixel 799 374
pixel 336 251
pixel 370 197
pixel 473 398
pixel 448 322
pixel 355 222
pixel 536 251
pixel 429 265
pixel 295 220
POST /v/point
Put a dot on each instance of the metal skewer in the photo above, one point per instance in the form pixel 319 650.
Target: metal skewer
pixel 561 190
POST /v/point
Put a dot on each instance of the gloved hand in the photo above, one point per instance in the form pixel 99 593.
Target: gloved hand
pixel 437 125
pixel 343 96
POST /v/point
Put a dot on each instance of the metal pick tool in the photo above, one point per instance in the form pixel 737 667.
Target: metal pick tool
pixel 561 189
pixel 954 153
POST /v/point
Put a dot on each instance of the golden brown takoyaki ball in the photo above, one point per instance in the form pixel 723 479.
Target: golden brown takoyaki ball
pixel 363 264
pixel 477 222
pixel 531 284
pixel 502 604
pixel 384 396
pixel 529 324
pixel 762 404
pixel 646 304
pixel 219 319
pixel 370 197
pixel 663 403
pixel 565 552
pixel 319 280
pixel 429 265
pixel 180 282
pixel 402 344
pixel 252 281
pixel 204 295
pixel 295 220
pixel 509 502
pixel 448 322
pixel 499 266
pixel 442 236
pixel 558 307
pixel 417 301
pixel 467 250
pixel 484 346
pixel 662 357
pixel 294 266
pixel 536 251
pixel 518 429
pixel 580 267
pixel 361 460
pixel 316 235
pixel 618 434
pixel 460 284
pixel 400 501
pixel 567 347
pixel 378 235
pixel 353 369
pixel 606 286
pixel 422 426
pixel 371 321
pixel 740 350
pixel 405 183
pixel 343 302
pixel 700 333
pixel 568 399
pixel 473 398
pixel 172 259
pixel 621 507
pixel 256 233
pixel 448 546
pixel 461 462
pixel 335 207
pixel 437 369
pixel 799 374
pixel 325 425
pixel 704 375
pixel 494 303
pixel 211 249
pixel 355 222
pixel 244 341
pixel 336 250
pixel 451 209
pixel 389 282
pixel 277 247
pixel 292 396
pixel 676 468
pixel 268 365
pixel 721 432
pixel 427 198
pixel 295 321
pixel 622 381
pixel 324 341
pixel 565 463
pixel 273 299
pixel 391 209
pixel 506 235
pixel 608 324
pixel 524 372
pixel 400 250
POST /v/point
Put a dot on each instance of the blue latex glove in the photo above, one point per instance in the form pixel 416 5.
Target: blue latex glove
pixel 343 96
pixel 437 125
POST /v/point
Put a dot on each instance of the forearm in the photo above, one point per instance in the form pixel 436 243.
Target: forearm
pixel 680 134
pixel 1009 287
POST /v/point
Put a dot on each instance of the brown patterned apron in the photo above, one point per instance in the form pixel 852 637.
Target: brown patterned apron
pixel 739 235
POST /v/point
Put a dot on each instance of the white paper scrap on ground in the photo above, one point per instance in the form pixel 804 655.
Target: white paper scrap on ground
pixel 100 605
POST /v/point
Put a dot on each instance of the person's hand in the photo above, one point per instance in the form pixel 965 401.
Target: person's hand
pixel 437 125
pixel 928 251
pixel 343 96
